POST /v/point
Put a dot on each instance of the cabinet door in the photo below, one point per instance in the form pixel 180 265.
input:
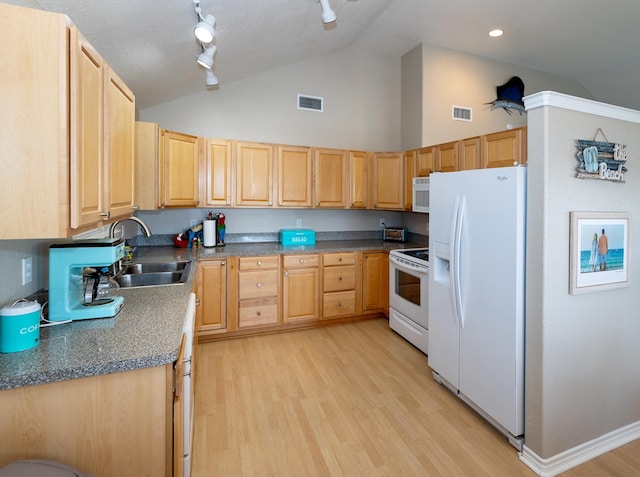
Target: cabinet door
pixel 331 178
pixel 359 179
pixel 179 170
pixel 147 164
pixel 218 157
pixel 447 157
pixel 87 133
pixel 34 124
pixel 372 281
pixel 388 181
pixel 300 293
pixel 409 174
pixel 504 149
pixel 470 154
pixel 426 162
pixel 119 146
pixel 254 175
pixel 211 290
pixel 294 176
pixel 385 283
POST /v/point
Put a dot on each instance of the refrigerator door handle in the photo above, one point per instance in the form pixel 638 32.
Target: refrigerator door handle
pixel 457 246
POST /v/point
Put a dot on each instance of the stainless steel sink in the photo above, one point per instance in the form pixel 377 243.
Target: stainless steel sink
pixel 153 274
pixel 136 268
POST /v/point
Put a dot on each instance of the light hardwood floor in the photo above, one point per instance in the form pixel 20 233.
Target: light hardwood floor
pixel 347 400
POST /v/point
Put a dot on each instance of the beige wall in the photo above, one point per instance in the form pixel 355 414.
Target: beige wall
pixel 582 351
pixel 361 91
pixel 455 78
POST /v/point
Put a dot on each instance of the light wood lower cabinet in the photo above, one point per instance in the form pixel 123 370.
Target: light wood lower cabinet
pixel 211 296
pixel 372 281
pixel 300 288
pixel 339 280
pixel 109 425
pixel 258 291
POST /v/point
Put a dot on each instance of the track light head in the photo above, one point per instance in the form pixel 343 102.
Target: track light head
pixel 210 79
pixel 204 31
pixel 205 59
pixel 328 15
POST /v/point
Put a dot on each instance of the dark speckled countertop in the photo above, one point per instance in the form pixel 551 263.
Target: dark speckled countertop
pixel 148 330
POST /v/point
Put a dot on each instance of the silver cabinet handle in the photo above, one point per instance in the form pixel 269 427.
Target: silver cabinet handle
pixel 259 285
pixel 286 274
pixel 301 260
pixel 259 263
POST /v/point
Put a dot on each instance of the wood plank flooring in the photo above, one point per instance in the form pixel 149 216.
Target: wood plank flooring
pixel 350 400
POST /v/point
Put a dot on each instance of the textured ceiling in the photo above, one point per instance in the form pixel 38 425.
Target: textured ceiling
pixel 150 44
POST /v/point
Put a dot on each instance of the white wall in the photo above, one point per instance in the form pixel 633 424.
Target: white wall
pixel 582 351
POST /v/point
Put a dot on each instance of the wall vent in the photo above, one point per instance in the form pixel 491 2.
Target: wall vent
pixel 460 113
pixel 310 103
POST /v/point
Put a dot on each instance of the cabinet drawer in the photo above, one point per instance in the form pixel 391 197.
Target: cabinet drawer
pixel 258 312
pixel 257 284
pixel 258 263
pixel 338 304
pixel 339 278
pixel 331 259
pixel 300 261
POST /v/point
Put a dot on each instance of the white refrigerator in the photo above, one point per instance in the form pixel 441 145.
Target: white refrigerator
pixel 477 291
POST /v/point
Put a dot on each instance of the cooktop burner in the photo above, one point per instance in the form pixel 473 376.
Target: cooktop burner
pixel 419 254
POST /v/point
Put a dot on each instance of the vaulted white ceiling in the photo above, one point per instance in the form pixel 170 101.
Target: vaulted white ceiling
pixel 151 46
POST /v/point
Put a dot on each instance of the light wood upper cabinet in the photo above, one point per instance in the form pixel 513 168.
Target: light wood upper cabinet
pixel 87 132
pixel 470 153
pixel 410 171
pixel 447 157
pixel 300 288
pixel 331 178
pixel 254 174
pixel 76 171
pixel 505 148
pixel 294 176
pixel 119 146
pixel 218 167
pixel 425 161
pixel 359 179
pixel 211 296
pixel 388 181
pixel 147 164
pixel 179 170
pixel 34 126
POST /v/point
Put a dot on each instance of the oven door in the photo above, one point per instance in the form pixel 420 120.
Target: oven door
pixel 408 292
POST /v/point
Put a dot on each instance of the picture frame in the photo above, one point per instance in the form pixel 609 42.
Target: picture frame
pixel 591 269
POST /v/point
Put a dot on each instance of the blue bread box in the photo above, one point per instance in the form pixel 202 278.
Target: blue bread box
pixel 297 237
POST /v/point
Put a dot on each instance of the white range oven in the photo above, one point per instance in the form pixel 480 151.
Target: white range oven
pixel 409 294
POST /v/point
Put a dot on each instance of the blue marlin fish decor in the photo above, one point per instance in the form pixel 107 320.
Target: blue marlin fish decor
pixel 601 160
pixel 510 96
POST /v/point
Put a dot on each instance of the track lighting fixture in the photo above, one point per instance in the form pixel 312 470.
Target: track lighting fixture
pixel 328 15
pixel 205 59
pixel 205 34
pixel 204 31
pixel 210 79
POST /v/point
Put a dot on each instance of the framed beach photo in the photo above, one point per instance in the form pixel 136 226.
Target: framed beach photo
pixel 599 251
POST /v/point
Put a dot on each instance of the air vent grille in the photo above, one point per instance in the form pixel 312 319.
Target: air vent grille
pixel 460 113
pixel 310 103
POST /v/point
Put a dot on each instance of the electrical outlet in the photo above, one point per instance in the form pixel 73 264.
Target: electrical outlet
pixel 382 224
pixel 27 270
pixel 298 223
pixel 193 222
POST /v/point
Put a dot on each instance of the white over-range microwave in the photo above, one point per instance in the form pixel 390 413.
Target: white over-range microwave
pixel 421 194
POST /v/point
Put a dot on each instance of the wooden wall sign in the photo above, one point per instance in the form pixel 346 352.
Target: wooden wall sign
pixel 602 160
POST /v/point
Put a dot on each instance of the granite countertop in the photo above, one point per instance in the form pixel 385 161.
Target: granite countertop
pixel 148 330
